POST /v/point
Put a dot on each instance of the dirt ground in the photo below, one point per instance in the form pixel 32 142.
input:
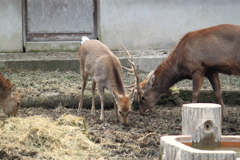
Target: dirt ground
pixel 139 140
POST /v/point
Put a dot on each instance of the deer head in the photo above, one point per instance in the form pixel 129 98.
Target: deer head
pixel 124 105
pixel 149 95
pixel 144 103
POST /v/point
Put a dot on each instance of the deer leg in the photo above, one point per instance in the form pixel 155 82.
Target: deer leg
pixel 93 110
pixel 197 84
pixel 101 96
pixel 80 105
pixel 215 82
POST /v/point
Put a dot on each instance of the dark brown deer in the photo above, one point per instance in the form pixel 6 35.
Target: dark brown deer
pixel 9 97
pixel 97 61
pixel 199 54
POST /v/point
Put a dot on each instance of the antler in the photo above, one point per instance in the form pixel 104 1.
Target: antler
pixel 132 71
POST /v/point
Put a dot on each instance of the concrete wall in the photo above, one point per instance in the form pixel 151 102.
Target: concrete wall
pixel 11 26
pixel 138 24
pixel 159 24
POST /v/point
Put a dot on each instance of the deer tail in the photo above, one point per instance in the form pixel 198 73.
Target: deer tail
pixel 84 39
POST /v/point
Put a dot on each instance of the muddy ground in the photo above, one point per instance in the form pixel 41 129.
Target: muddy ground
pixel 139 140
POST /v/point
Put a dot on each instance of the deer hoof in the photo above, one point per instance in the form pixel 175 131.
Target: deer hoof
pixel 93 113
pixel 102 118
pixel 225 118
pixel 79 111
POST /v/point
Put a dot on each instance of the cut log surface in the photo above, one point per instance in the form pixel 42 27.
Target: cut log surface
pixel 202 121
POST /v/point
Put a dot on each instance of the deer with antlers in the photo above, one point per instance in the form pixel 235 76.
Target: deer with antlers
pixel 97 61
pixel 199 54
pixel 9 97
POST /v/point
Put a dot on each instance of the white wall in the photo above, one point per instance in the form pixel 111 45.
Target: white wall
pixel 10 26
pixel 159 24
pixel 138 24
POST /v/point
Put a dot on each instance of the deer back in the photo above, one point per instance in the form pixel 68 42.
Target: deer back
pixel 217 48
pixel 99 62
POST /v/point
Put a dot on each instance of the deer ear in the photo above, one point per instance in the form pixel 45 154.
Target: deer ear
pixel 151 80
pixel 150 74
pixel 116 96
pixel 131 94
pixel 14 88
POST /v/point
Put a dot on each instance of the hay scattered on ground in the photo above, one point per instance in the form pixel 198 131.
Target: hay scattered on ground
pixel 38 137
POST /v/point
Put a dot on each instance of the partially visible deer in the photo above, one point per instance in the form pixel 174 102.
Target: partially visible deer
pixel 9 97
pixel 97 61
pixel 204 52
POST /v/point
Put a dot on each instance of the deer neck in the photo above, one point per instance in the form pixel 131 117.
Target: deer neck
pixel 166 75
pixel 119 87
pixel 116 82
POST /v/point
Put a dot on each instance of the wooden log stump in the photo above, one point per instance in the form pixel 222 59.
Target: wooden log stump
pixel 202 121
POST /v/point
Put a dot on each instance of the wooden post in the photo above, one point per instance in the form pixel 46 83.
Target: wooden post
pixel 202 121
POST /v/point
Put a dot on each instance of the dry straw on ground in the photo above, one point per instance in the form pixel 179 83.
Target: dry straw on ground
pixel 38 137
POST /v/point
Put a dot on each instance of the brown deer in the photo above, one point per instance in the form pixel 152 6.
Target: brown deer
pixel 9 97
pixel 97 61
pixel 200 53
